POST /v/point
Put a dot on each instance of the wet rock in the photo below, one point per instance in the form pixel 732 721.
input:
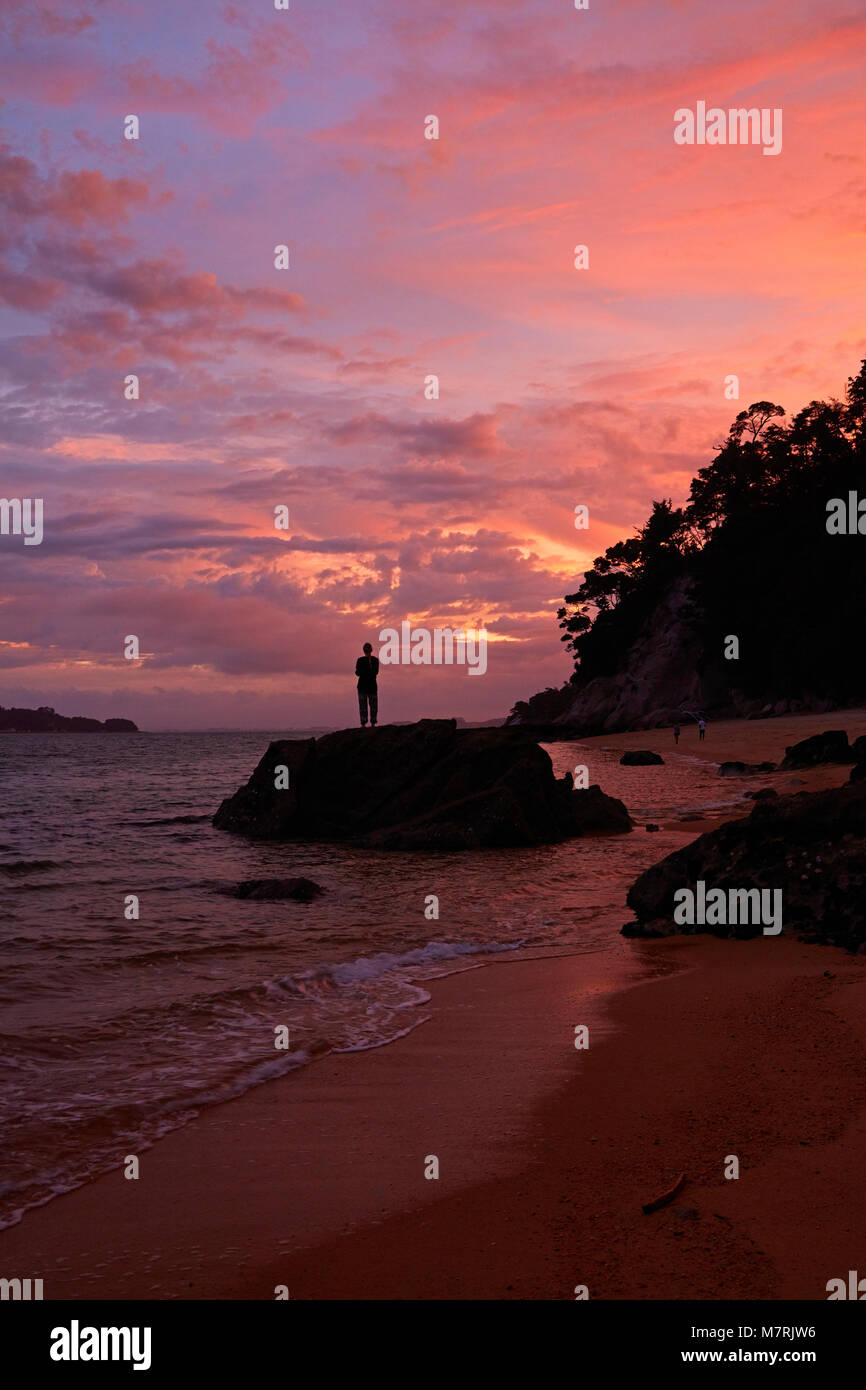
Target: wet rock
pixel 811 845
pixel 302 890
pixel 858 748
pixel 829 747
pixel 765 794
pixel 641 757
pixel 424 786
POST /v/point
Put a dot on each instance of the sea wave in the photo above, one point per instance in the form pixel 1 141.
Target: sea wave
pixel 20 867
pixel 203 1051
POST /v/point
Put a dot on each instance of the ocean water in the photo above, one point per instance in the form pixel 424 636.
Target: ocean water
pixel 114 1031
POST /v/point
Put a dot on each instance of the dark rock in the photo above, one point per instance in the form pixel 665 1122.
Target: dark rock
pixel 417 786
pixel 641 757
pixel 734 769
pixel 652 827
pixel 592 811
pixel 646 930
pixel 303 890
pixel 765 794
pixel 812 845
pixel 858 748
pixel 830 747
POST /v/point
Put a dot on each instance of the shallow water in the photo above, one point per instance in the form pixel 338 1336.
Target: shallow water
pixel 114 1031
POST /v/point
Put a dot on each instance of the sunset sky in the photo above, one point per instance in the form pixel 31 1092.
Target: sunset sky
pixel 408 257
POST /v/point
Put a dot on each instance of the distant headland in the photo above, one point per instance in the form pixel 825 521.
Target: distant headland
pixel 45 720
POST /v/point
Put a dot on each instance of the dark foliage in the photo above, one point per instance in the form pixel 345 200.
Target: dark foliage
pixel 753 539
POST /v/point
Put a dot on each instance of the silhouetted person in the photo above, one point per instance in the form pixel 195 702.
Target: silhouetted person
pixel 367 669
pixel 702 729
pixel 676 733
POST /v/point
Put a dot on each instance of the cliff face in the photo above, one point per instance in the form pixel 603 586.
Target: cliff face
pixel 667 673
pixel 660 674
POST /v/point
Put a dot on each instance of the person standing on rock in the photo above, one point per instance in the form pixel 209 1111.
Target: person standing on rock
pixel 367 669
pixel 676 733
pixel 702 729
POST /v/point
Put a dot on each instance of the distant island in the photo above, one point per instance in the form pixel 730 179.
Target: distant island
pixel 45 720
pixel 746 602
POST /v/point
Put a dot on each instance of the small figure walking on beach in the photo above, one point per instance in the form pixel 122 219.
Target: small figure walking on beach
pixel 702 729
pixel 676 733
pixel 367 669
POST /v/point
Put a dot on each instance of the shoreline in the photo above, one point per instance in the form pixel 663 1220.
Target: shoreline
pixel 316 1180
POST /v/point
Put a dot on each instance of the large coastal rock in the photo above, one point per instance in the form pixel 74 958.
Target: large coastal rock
pixel 417 786
pixel 811 845
pixel 829 747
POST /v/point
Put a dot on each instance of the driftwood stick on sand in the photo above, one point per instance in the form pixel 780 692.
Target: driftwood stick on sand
pixel 666 1196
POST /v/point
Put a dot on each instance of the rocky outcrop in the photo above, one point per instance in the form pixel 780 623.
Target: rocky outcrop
pixel 416 786
pixel 641 757
pixel 811 845
pixel 829 747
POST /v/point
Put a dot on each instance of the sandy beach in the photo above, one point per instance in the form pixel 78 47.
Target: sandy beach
pixel 698 1050
pixel 546 1153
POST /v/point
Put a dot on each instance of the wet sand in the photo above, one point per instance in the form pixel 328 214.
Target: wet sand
pixel 749 741
pixel 546 1153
